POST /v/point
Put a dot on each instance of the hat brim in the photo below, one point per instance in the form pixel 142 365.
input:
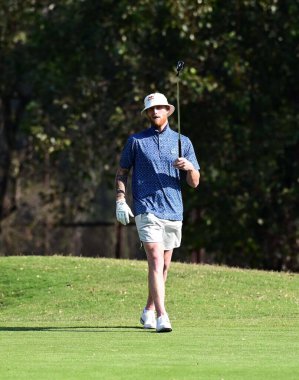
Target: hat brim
pixel 170 111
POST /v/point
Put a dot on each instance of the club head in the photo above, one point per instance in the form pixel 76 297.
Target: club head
pixel 179 67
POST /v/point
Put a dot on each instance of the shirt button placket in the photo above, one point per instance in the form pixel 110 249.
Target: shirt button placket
pixel 159 145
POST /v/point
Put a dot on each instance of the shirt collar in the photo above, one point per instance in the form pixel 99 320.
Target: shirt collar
pixel 165 129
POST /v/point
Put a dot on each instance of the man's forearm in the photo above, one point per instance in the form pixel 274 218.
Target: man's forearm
pixel 121 180
pixel 193 174
pixel 193 177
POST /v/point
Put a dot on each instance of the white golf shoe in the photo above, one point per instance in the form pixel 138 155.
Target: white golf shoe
pixel 163 324
pixel 148 319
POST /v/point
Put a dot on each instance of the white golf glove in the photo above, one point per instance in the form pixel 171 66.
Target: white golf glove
pixel 123 212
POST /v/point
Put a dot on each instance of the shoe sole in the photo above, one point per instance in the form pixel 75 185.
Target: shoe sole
pixel 164 330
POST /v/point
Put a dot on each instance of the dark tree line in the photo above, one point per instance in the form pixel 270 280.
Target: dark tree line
pixel 73 75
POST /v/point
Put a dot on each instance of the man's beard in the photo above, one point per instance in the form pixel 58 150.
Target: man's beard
pixel 158 121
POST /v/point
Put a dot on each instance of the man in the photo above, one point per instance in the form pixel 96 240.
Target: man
pixel 157 198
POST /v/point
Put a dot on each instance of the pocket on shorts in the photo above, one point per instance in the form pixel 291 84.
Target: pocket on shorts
pixel 149 228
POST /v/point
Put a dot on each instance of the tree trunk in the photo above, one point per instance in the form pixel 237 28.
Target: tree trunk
pixel 5 159
pixel 11 112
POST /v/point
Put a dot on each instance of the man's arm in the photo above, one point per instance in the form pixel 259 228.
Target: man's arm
pixel 123 211
pixel 193 174
pixel 121 180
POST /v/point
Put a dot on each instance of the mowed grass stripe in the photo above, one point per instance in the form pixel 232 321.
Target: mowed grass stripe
pixel 76 318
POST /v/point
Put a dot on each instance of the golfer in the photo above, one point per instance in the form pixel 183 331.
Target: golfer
pixel 157 200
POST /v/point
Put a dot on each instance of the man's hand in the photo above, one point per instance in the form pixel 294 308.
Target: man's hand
pixel 183 164
pixel 123 212
pixel 192 176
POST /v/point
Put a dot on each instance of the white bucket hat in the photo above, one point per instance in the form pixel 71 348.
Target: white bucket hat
pixel 157 99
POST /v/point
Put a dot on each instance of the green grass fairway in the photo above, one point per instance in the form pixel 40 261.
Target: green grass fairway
pixel 74 318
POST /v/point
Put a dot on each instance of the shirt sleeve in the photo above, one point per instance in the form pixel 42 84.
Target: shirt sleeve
pixel 190 154
pixel 127 156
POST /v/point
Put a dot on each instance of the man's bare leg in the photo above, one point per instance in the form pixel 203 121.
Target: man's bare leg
pixel 158 261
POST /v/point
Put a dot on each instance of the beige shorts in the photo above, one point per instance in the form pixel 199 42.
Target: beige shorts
pixel 154 230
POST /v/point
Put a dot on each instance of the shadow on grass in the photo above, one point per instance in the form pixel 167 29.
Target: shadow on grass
pixel 78 329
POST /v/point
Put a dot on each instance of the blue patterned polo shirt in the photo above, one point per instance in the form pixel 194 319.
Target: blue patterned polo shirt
pixel 156 184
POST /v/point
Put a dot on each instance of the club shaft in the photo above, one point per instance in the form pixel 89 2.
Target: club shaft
pixel 179 116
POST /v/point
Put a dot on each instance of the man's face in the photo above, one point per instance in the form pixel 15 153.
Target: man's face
pixel 158 115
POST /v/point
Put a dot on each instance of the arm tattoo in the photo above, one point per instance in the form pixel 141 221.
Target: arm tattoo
pixel 121 179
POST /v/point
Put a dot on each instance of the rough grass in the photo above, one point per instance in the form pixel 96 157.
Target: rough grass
pixel 74 318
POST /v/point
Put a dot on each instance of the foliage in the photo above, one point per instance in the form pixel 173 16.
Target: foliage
pixel 249 133
pixel 73 79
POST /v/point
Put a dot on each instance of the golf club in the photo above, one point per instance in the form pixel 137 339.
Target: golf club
pixel 179 68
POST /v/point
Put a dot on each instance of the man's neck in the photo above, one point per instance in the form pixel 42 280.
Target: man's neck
pixel 162 127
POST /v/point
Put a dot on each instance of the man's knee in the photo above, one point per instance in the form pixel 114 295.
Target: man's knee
pixel 155 257
pixel 167 260
pixel 155 263
pixel 166 267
